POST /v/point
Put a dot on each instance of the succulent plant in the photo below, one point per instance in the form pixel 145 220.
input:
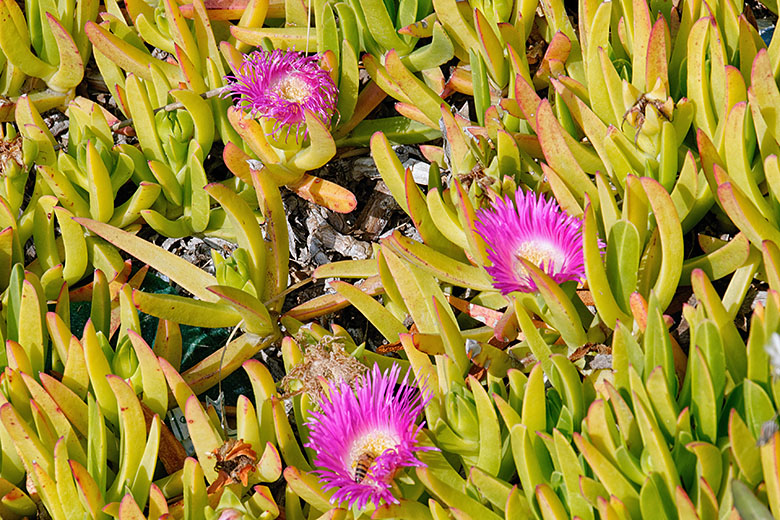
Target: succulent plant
pixel 45 41
pixel 597 187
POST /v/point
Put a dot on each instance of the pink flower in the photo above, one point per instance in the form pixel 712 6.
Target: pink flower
pixel 363 437
pixel 231 514
pixel 535 229
pixel 280 85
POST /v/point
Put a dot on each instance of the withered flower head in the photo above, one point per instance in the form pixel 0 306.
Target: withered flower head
pixel 327 361
pixel 235 461
pixel 10 150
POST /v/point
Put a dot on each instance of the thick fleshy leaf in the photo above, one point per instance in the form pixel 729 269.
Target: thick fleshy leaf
pixel 770 462
pixel 450 496
pixel 254 314
pixel 562 312
pixel 440 265
pixel 225 361
pixel 308 487
pixel 176 268
pixel 324 193
pixel 387 324
pixel 129 57
pixel 328 303
pixel 613 481
pixel 746 503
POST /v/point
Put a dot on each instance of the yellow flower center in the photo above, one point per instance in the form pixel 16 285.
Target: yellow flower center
pixel 292 88
pixel 365 449
pixel 542 254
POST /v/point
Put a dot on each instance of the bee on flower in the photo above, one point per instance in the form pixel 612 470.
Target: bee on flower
pixel 363 438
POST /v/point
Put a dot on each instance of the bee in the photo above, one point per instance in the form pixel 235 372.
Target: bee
pixel 363 465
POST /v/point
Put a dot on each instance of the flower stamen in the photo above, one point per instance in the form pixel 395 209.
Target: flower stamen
pixel 543 254
pixel 292 88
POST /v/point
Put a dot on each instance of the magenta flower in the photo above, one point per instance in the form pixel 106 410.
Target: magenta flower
pixel 364 437
pixel 280 85
pixel 535 229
